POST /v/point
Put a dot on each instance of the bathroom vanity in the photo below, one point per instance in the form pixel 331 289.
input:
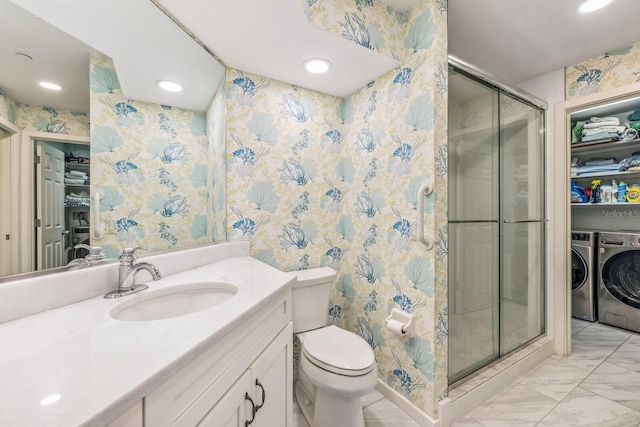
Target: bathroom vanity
pixel 221 366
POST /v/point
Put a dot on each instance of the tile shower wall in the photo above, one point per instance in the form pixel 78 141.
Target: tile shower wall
pixel 315 180
pixel 158 153
pixel 613 69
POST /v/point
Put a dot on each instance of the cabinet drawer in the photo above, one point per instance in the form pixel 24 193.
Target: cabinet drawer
pixel 186 397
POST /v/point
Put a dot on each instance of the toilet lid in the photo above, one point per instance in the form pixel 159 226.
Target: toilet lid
pixel 339 351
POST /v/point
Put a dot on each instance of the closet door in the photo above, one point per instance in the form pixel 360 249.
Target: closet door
pixel 522 224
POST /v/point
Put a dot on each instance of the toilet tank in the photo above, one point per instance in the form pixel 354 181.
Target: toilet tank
pixel 310 295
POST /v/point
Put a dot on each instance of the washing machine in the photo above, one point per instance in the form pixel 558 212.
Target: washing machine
pixel 619 279
pixel 583 274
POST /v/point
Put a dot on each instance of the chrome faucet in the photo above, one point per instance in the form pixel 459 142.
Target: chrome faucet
pixel 94 256
pixel 127 272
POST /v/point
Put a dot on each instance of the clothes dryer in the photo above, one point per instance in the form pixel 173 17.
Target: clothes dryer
pixel 619 279
pixel 583 274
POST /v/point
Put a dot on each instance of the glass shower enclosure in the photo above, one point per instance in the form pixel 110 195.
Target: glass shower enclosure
pixel 496 223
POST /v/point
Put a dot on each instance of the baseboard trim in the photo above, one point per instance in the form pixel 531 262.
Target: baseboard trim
pixel 449 410
pixel 406 405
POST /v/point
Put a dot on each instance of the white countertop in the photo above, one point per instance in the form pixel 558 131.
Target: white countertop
pixel 100 366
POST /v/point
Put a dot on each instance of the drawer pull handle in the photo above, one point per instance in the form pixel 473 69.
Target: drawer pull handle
pixel 253 409
pixel 264 395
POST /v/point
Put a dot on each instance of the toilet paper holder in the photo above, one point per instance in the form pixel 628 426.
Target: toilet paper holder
pixel 401 323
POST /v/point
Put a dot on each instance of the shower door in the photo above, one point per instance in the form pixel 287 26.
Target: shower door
pixel 496 224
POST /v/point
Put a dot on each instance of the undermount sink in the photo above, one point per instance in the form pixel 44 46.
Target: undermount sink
pixel 173 301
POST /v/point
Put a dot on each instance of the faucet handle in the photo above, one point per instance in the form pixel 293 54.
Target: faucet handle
pixel 95 254
pixel 128 254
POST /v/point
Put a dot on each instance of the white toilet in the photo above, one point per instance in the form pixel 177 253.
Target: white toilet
pixel 336 366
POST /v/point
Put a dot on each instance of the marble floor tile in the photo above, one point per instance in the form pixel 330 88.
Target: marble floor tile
pixel 588 355
pixel 467 422
pixel 371 398
pixel 627 355
pixel 581 408
pixel 578 325
pixel 385 414
pixel 600 334
pixel 554 379
pixel 615 383
pixel 515 406
pixel 378 412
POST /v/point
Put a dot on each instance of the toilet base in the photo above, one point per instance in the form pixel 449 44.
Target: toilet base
pixel 323 409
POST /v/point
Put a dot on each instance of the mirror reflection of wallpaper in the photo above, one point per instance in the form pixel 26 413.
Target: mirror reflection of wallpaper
pixel 317 180
pixel 152 164
pixel 614 69
pixel 43 119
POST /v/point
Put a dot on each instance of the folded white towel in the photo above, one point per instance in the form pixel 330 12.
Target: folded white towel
pixel 601 124
pixel 74 173
pixel 605 119
pixel 600 162
pixel 73 181
pixel 617 129
pixel 69 175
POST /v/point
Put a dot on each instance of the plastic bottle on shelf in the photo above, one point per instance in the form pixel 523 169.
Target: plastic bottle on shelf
pixel 614 191
pixel 622 192
pixel 595 191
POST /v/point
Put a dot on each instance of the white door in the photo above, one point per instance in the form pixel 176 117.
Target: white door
pixel 50 207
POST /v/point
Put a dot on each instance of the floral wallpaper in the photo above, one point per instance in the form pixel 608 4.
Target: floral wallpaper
pixel 316 180
pixel 43 119
pixel 8 107
pixel 604 72
pixel 151 163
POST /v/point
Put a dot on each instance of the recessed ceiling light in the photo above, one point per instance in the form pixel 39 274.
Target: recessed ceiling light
pixel 591 5
pixel 50 399
pixel 169 85
pixel 317 65
pixel 50 86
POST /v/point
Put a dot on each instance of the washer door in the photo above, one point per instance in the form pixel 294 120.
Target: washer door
pixel 621 277
pixel 579 270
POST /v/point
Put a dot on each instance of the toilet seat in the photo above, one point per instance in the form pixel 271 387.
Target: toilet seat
pixel 339 351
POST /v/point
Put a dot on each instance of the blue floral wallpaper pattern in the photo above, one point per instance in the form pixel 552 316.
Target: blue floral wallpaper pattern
pixel 611 70
pixel 315 180
pixel 154 165
pixel 43 119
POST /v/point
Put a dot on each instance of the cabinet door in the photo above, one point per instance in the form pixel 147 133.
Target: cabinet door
pixel 272 382
pixel 233 409
pixel 132 417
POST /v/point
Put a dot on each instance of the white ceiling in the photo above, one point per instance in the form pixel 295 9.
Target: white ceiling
pixel 272 38
pixel 56 57
pixel 145 45
pixel 515 40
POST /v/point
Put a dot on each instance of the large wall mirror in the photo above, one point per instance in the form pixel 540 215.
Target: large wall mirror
pixel 89 165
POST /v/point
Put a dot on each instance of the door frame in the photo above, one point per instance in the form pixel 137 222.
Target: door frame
pixel 9 212
pixel 27 190
pixel 561 238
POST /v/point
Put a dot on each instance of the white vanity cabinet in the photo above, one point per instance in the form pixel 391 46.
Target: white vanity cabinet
pixel 245 376
pixel 259 396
